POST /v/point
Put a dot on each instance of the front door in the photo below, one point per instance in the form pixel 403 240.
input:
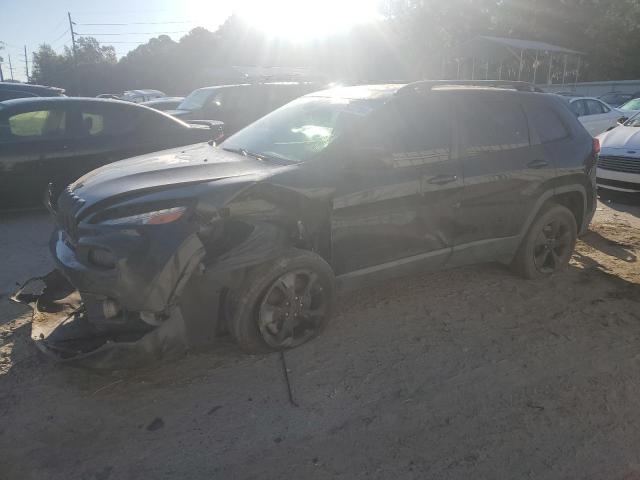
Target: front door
pixel 36 148
pixel 396 194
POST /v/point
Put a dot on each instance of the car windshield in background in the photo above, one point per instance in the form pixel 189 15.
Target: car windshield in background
pixel 631 105
pixel 615 98
pixel 195 100
pixel 301 129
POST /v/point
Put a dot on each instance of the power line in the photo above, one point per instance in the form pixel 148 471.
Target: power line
pixel 133 23
pixel 129 33
pixel 131 43
pixel 57 27
pixel 61 35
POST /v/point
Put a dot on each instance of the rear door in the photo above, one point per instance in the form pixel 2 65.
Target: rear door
pixel 603 116
pixel 36 148
pixel 594 115
pixel 106 133
pixel 581 110
pixel 503 174
pixel 396 194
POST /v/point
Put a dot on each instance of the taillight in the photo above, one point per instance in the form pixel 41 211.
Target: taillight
pixel 596 146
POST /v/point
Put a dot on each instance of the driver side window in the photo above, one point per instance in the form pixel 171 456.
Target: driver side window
pixel 411 131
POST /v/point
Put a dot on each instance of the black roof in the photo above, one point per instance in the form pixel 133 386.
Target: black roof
pixel 49 101
pixel 53 100
pixel 361 92
pixel 39 90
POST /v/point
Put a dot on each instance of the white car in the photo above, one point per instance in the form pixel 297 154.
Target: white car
pixel 595 115
pixel 139 96
pixel 619 161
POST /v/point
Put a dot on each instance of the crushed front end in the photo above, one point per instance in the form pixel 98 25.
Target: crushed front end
pixel 113 300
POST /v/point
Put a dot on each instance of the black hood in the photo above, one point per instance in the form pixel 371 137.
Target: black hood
pixel 168 168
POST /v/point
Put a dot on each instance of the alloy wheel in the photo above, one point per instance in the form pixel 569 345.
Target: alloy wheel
pixel 552 246
pixel 292 309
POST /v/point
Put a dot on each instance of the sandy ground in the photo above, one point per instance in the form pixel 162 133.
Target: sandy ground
pixel 470 373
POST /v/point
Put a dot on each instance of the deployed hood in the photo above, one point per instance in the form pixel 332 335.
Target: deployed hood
pixel 195 163
pixel 621 137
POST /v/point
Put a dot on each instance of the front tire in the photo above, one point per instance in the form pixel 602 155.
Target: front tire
pixel 548 245
pixel 283 303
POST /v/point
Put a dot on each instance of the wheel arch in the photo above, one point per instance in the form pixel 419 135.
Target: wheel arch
pixel 573 197
pixel 291 217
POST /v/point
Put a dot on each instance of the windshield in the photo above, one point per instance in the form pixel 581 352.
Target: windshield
pixel 196 100
pixel 301 129
pixel 631 105
pixel 612 98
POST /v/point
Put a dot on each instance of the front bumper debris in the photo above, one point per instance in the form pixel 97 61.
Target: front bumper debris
pixel 62 329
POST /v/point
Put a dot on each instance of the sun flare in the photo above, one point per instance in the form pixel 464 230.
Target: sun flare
pixel 301 20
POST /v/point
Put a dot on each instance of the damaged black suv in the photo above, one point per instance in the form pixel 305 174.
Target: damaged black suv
pixel 331 191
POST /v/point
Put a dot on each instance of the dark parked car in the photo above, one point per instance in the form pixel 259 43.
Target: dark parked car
pixel 164 104
pixel 10 91
pixel 333 190
pixel 57 140
pixel 239 105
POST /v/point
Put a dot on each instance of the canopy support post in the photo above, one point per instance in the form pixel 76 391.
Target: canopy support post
pixel 473 69
pixel 520 70
pixel 500 71
pixel 577 71
pixel 535 68
pixel 564 69
pixel 550 75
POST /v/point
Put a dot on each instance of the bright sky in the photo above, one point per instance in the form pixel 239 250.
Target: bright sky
pixel 32 22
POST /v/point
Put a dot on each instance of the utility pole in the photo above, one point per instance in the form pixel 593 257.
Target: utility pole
pixel 1 75
pixel 26 63
pixel 75 55
pixel 73 39
pixel 10 66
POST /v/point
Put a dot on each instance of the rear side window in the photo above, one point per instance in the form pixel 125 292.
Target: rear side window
pixel 41 123
pixel 97 121
pixel 495 126
pixel 547 123
pixel 92 123
pixel 596 108
pixel 580 108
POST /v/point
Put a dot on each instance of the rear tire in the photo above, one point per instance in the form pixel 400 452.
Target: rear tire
pixel 283 303
pixel 548 244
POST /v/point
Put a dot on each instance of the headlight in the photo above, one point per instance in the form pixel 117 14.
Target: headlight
pixel 157 217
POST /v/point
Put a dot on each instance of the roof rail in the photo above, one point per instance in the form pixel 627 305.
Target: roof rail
pixel 509 84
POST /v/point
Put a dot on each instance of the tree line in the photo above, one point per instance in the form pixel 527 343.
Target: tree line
pixel 413 39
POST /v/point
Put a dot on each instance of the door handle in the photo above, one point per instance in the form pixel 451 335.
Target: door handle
pixel 442 179
pixel 538 164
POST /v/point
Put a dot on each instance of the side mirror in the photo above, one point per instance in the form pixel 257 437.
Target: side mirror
pixel 622 120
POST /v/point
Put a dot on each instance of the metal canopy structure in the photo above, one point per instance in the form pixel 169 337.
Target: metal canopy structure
pixel 523 53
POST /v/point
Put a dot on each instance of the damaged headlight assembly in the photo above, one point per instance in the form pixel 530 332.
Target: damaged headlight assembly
pixel 102 257
pixel 156 217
